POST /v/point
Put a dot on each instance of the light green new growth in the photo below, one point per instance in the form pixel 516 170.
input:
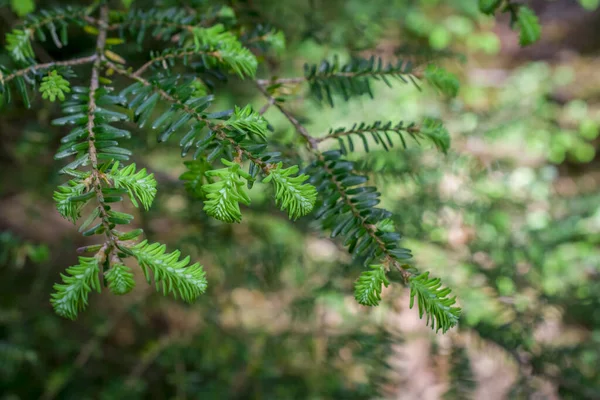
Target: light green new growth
pixel 225 47
pixel 140 184
pixel 53 86
pixel 245 120
pixel 175 276
pixel 368 286
pixel 276 39
pixel 79 280
pixel 18 43
pixel 529 26
pixel 22 7
pixel 120 279
pixel 442 80
pixel 433 301
pixel 70 198
pixel 225 195
pixel 291 193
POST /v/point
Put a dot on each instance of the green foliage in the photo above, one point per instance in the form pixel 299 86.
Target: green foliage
pixel 353 78
pixel 368 286
pixel 174 275
pixel 589 5
pixel 195 176
pixel 380 133
pixel 226 49
pixel 246 121
pixel 433 301
pixel 22 7
pixel 211 42
pixel 140 184
pixel 489 6
pixel 529 26
pixel 120 279
pixel 291 192
pixel 225 195
pixel 18 44
pixel 71 197
pixel 442 80
pixel 54 86
pixel 71 296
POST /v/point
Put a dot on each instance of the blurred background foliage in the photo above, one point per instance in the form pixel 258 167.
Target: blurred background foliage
pixel 509 219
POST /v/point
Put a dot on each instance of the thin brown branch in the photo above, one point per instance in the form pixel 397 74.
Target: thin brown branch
pixel 76 61
pixel 266 107
pixel 144 67
pixel 312 142
pixel 282 81
pixel 96 175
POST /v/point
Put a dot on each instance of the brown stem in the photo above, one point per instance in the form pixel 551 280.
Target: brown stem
pixel 312 142
pixel 144 67
pixel 77 61
pixel 96 175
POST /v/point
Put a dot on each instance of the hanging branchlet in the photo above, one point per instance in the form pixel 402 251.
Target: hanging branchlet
pixel 354 78
pixel 225 195
pixel 380 134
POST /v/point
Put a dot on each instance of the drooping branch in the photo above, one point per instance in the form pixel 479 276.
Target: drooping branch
pixel 313 143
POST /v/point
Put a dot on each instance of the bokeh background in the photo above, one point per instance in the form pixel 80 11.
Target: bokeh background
pixel 510 219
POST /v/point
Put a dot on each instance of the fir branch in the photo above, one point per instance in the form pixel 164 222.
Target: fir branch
pixel 219 129
pixel 40 67
pixel 120 279
pixel 368 287
pixel 140 184
pixel 430 129
pixel 223 196
pixel 292 193
pixel 72 296
pixel 388 257
pixel 433 301
pixel 174 275
pixel 97 176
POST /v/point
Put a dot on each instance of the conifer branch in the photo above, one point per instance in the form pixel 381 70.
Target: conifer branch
pixel 168 56
pixel 313 144
pixel 334 134
pixel 53 64
pixel 97 176
pixel 388 259
pixel 218 128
